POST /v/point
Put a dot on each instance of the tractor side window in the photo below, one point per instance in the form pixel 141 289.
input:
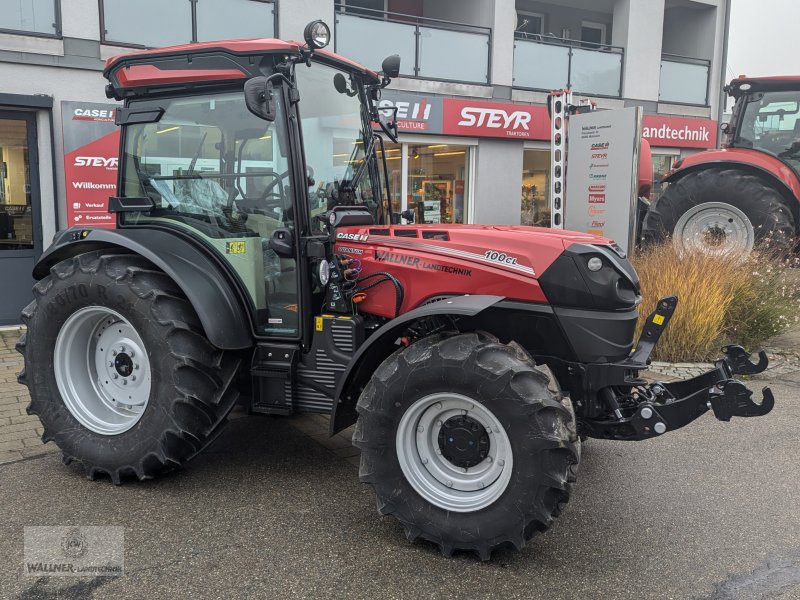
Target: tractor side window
pixel 771 122
pixel 219 172
pixel 335 144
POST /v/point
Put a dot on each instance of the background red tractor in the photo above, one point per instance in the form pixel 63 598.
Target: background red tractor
pixel 747 192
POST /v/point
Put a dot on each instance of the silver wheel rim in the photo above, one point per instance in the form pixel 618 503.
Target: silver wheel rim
pixel 102 370
pixel 433 476
pixel 714 228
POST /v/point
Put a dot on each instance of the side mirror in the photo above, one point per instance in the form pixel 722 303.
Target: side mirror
pixel 391 66
pixel 259 96
pixel 282 242
pixel 408 215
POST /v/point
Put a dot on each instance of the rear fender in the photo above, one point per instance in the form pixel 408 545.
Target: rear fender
pixel 212 292
pixel 766 167
pixel 383 342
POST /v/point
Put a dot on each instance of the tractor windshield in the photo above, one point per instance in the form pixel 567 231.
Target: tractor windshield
pixel 770 122
pixel 337 138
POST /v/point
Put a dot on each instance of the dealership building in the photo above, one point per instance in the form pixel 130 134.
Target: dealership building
pixel 471 99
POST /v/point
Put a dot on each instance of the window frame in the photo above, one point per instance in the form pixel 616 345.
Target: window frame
pixel 53 36
pixel 602 27
pixel 529 13
pixel 104 40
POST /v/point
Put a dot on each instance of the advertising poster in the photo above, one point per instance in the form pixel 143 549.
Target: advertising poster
pixel 603 173
pixel 91 146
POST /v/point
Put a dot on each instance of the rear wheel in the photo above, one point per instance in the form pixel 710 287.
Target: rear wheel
pixel 465 442
pixel 720 211
pixel 118 368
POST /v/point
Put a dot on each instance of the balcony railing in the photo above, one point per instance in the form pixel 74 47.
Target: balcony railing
pixel 429 48
pixel 684 80
pixel 543 62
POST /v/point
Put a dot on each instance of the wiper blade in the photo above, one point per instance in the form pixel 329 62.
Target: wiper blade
pixel 368 153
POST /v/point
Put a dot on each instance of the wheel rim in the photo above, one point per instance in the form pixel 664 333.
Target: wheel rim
pixel 102 370
pixel 437 459
pixel 714 228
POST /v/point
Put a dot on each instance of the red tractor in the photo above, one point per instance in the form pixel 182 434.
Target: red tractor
pixel 747 192
pixel 255 260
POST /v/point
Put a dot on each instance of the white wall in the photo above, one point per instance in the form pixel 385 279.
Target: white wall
pixel 498 182
pixel 638 26
pixel 80 19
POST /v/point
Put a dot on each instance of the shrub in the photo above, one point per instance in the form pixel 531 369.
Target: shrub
pixel 721 299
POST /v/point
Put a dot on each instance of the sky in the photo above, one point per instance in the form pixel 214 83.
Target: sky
pixel 764 38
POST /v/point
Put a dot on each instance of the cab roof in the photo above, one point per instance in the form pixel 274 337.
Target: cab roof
pixel 207 63
pixel 778 83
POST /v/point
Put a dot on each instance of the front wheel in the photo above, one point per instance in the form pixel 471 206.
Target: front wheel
pixel 466 442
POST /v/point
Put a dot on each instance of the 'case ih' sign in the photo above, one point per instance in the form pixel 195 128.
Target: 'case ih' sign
pixel 91 145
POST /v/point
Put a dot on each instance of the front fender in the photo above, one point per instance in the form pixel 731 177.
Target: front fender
pixel 383 342
pixel 212 293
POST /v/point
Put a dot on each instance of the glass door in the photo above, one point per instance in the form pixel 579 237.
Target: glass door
pixel 20 220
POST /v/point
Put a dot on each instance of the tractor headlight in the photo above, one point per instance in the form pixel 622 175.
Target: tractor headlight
pixel 317 35
pixel 324 272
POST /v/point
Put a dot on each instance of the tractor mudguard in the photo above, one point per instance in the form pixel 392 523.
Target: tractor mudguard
pixel 380 344
pixel 210 290
pixel 769 168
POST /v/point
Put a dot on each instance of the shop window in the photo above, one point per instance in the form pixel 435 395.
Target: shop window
pixel 31 16
pixel 131 23
pixel 437 182
pixel 661 164
pixel 16 221
pixel 535 205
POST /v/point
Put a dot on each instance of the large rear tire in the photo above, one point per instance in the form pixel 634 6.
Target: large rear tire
pixel 720 211
pixel 119 370
pixel 466 442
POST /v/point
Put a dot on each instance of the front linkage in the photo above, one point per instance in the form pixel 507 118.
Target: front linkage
pixel 643 410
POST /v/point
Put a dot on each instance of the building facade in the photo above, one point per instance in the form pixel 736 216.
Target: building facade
pixel 471 99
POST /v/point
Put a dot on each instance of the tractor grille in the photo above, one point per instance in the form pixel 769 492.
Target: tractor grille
pixel 307 398
pixel 342 333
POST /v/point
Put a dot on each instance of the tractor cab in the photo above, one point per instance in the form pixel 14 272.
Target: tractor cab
pixel 766 117
pixel 244 145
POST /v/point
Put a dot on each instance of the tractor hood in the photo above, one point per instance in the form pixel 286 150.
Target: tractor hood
pixel 530 264
pixel 518 249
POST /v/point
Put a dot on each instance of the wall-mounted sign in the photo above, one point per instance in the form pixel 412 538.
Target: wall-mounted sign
pixel 475 118
pixel 495 119
pixel 602 177
pixel 679 132
pixel 91 146
pixel 419 113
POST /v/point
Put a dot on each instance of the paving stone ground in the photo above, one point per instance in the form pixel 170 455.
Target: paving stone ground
pixel 20 434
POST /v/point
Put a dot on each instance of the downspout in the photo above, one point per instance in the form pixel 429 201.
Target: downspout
pixel 723 99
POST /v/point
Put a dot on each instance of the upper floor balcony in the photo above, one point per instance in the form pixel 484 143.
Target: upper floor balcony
pixel 429 48
pixel 684 80
pixel 546 62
